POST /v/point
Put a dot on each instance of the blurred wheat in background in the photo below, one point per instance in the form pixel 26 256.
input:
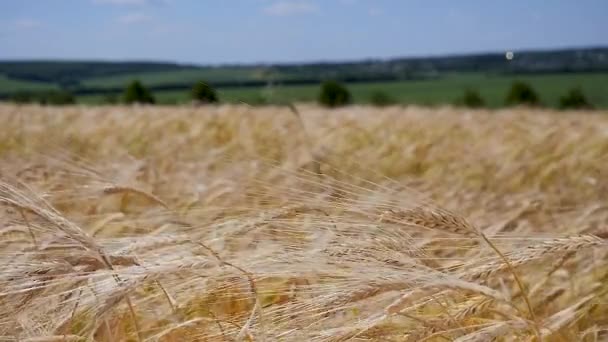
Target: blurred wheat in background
pixel 233 223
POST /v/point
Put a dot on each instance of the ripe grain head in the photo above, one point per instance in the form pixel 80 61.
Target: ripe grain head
pixel 179 223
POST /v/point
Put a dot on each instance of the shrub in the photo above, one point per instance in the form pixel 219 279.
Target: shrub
pixel 522 93
pixel 204 93
pixel 22 97
pixel 472 99
pixel 380 98
pixel 137 93
pixel 110 99
pixel 58 97
pixel 575 98
pixel 334 94
pixel 50 97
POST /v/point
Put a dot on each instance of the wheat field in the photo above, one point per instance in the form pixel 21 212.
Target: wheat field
pixel 234 223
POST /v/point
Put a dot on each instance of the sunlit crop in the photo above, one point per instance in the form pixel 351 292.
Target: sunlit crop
pixel 233 223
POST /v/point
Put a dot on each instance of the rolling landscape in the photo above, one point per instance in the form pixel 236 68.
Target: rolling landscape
pixel 421 81
pixel 303 171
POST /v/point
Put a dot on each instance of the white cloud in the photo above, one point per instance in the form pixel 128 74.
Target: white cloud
pixel 134 18
pixel 26 24
pixel 284 8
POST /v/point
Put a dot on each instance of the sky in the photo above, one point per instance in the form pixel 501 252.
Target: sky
pixel 270 31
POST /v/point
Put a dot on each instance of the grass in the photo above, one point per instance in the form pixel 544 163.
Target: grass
pixel 171 77
pixel 230 222
pixel 493 90
pixel 11 85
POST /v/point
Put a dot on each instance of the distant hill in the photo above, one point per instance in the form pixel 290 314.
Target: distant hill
pixel 96 77
pixel 73 71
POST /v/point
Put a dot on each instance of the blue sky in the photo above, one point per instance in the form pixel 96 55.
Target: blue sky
pixel 250 31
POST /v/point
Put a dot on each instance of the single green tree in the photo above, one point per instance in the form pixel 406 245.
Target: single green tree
pixel 472 99
pixel 137 93
pixel 334 94
pixel 381 99
pixel 522 93
pixel 204 93
pixel 574 99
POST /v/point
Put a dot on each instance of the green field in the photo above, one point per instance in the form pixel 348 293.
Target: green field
pixel 434 80
pixel 178 76
pixel 12 85
pixel 445 90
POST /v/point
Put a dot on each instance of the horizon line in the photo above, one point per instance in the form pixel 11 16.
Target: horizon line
pixel 308 62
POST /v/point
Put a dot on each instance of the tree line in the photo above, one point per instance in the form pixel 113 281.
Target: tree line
pixel 331 94
pixel 334 94
pixel 521 93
